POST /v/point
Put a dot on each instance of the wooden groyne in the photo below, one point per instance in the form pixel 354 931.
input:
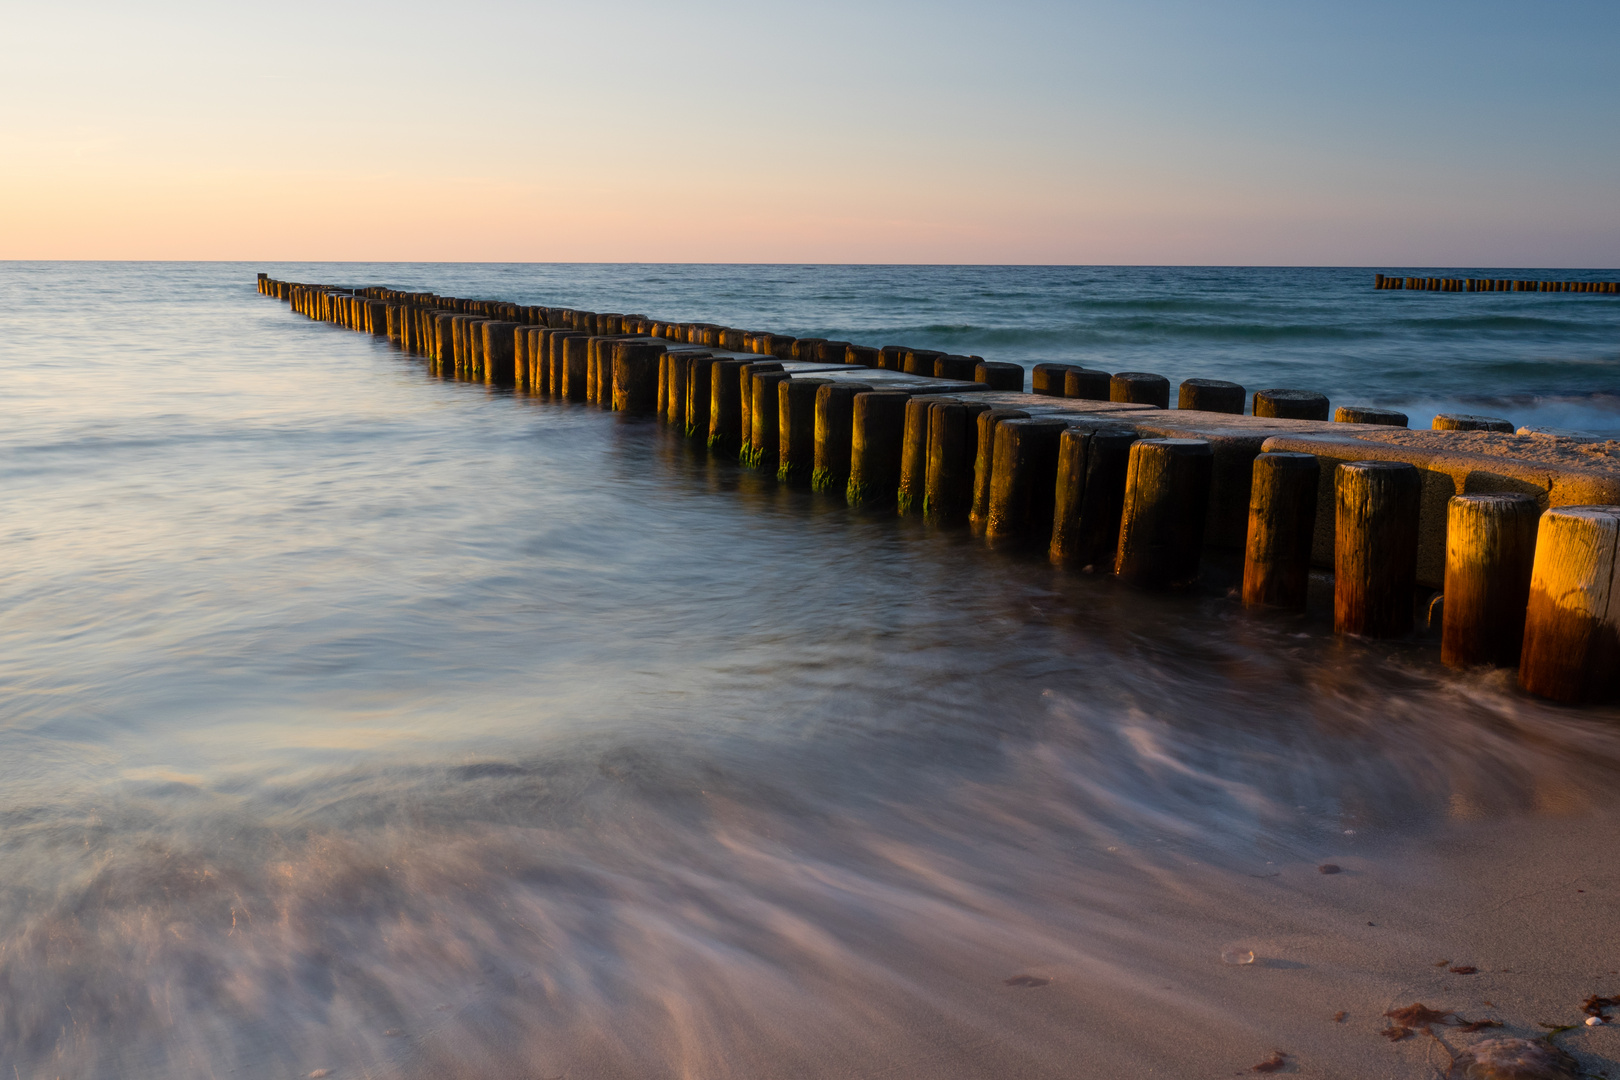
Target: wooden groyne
pixel 1448 284
pixel 1507 540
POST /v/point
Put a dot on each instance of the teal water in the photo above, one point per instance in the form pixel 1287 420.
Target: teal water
pixel 358 721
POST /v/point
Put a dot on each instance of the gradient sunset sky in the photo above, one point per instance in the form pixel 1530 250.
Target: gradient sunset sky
pixel 1182 131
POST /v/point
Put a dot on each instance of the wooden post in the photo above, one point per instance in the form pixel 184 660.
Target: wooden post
pixel 1282 525
pixel 877 434
pixel 1368 414
pixel 745 405
pixel 1375 547
pixel 1291 404
pixel 919 361
pixel 1466 422
pixel 699 394
pixel 635 376
pixel 500 361
pixel 892 357
pixel 835 416
pixel 957 368
pixel 534 364
pixel 1572 626
pixel 557 360
pixel 796 429
pixel 862 355
pixel 1047 379
pixel 952 450
pixel 765 438
pixel 1140 388
pixel 575 365
pixel 999 376
pixel 1023 481
pixel 1211 395
pixel 1161 531
pixel 1087 385
pixel 725 407
pixel 1089 495
pixel 1490 549
pixel 912 492
pixel 984 462
pixel 832 352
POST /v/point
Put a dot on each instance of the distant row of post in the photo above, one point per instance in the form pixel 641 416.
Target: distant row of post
pixel 936 439
pixel 1446 284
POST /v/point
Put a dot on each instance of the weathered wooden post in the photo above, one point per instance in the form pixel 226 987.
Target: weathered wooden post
pixel 725 407
pixel 1161 531
pixel 796 429
pixel 952 450
pixel 1282 525
pixel 1466 422
pixel 919 361
pixel 635 376
pixel 1375 547
pixel 575 366
pixel 699 394
pixel 914 454
pixel 832 352
pixel 745 404
pixel 1490 550
pixel 984 462
pixel 877 434
pixel 1140 388
pixel 1087 385
pixel 557 360
pixel 999 376
pixel 764 417
pixel 1291 404
pixel 1368 414
pixel 1089 495
pixel 1023 482
pixel 956 368
pixel 1211 395
pixel 1048 379
pixel 1572 626
pixel 835 417
pixel 500 361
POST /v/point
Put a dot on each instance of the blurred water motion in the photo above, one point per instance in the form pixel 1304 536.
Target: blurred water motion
pixel 358 721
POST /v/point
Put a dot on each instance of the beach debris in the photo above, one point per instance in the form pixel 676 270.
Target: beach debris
pixel 1441 963
pixel 1274 1063
pixel 1478 1025
pixel 1237 956
pixel 1026 981
pixel 1329 868
pixel 1594 1021
pixel 1464 969
pixel 1412 1018
pixel 1594 1006
pixel 1338 1017
pixel 1419 1015
pixel 1517 1059
pixel 318 1073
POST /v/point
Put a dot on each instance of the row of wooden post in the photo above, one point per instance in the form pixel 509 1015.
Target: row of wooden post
pixel 1445 284
pixel 1094 494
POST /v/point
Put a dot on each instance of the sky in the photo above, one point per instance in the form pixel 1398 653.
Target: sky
pixel 1225 132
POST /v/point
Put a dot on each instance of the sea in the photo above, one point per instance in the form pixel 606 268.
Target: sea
pixel 360 723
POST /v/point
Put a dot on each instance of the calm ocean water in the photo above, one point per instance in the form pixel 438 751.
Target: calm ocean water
pixel 357 721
